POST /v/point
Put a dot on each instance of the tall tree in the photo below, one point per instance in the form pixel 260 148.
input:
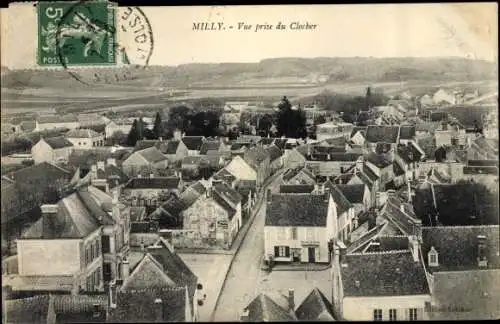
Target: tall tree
pixel 368 99
pixel 141 125
pixel 158 127
pixel 133 135
pixel 284 117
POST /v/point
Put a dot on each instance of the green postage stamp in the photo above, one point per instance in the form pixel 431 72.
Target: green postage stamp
pixel 76 33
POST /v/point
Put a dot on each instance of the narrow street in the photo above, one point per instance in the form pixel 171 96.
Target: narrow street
pixel 245 275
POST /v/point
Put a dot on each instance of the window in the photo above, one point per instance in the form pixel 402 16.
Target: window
pixel 105 244
pixel 433 257
pixel 106 271
pixel 294 233
pixel 412 314
pixel 393 315
pixel 310 234
pixel 377 315
pixel 281 251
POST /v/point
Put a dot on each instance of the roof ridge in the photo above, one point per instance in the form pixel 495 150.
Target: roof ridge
pixel 381 252
pixel 459 226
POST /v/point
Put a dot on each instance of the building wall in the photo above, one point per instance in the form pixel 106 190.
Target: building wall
pixel 62 154
pixel 302 178
pixel 293 159
pixel 328 168
pixel 41 152
pixel 239 168
pixel 87 143
pixel 49 126
pixel 133 164
pixel 48 257
pixel 236 223
pixel 111 128
pixel 203 215
pixel 148 193
pixel 361 308
pixel 306 237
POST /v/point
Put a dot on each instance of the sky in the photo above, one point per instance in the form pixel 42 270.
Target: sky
pixel 382 30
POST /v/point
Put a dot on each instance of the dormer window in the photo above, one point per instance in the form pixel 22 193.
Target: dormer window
pixel 433 258
pixel 481 253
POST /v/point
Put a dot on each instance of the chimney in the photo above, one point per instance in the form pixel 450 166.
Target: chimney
pixel 112 294
pixel 342 254
pixel 413 245
pixel 111 161
pixel 244 316
pixel 409 191
pixel 49 219
pixel 268 196
pixel 481 251
pixel 125 269
pixel 100 165
pixel 291 300
pixel 151 175
pixel 142 245
pixel 316 188
pixel 158 310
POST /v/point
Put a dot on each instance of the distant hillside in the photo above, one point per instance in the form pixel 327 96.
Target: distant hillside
pixel 285 71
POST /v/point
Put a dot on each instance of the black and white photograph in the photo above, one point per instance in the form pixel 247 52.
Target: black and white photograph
pixel 249 163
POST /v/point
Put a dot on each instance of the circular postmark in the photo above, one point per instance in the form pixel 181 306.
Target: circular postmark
pixel 95 35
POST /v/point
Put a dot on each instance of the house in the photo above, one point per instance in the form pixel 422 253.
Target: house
pixel 358 195
pixel 298 227
pixel 297 188
pixel 151 191
pixel 358 135
pixel 107 176
pixel 407 158
pixel 51 122
pixel 330 164
pixel 70 267
pixel 209 213
pixel 275 158
pixel 210 147
pixel 362 174
pixel 444 96
pixel 150 159
pixel 239 148
pixel 333 130
pixel 53 149
pixel 156 286
pixel 388 134
pixel 299 176
pixel 449 133
pixel 258 158
pixel 121 125
pixel 85 138
pixel 92 119
pixel 226 176
pixel 407 133
pixel 278 307
pixel 400 292
pixel 193 144
pixel 382 166
pixel 463 267
pixel 295 158
pixel 241 170
pixel 56 309
pixel 346 220
pixel 175 151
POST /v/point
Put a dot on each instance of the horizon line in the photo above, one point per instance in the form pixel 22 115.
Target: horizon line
pixel 263 59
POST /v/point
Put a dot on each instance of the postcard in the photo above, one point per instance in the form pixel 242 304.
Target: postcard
pixel 249 163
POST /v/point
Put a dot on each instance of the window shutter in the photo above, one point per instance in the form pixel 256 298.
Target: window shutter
pixel 287 251
pixel 276 251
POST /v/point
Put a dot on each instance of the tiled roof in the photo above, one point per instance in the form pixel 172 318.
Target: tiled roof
pixel 291 173
pixel 389 243
pixel 335 157
pixel 172 146
pixel 168 214
pixel 397 169
pixel 482 163
pixel 193 142
pixel 80 308
pixel 383 274
pixel 280 143
pixel 57 119
pixel 113 174
pixel 296 188
pixel 74 220
pixel 28 126
pixel 152 155
pixel 238 146
pixel 255 156
pixel 153 183
pixel 297 210
pixel 340 200
pixel 407 132
pixel 266 141
pixel 191 160
pixel 315 307
pixel 224 175
pixel 192 193
pixel 82 133
pixel 481 170
pixel 386 134
pixel 274 152
pixel 27 310
pixel 409 153
pixel 264 309
pixel 327 149
pixel 353 192
pixel 405 221
pixel 139 305
pixel 457 246
pixel 210 146
pixel 57 142
pixel 144 144
pixel 439 116
pixel 379 160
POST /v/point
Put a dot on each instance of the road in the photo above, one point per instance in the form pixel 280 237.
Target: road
pixel 244 277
